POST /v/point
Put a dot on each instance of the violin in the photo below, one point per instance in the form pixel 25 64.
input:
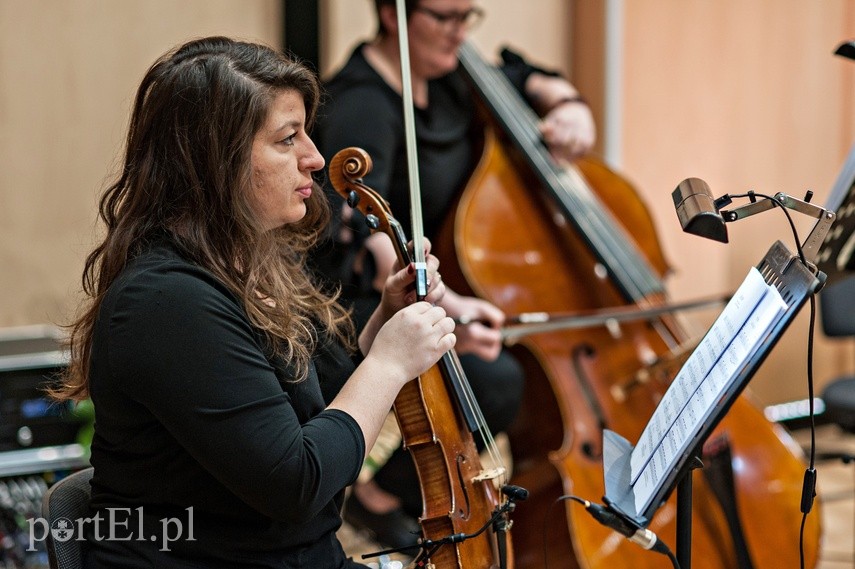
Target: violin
pixel 465 524
pixel 530 235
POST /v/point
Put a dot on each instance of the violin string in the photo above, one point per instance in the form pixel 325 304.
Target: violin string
pixel 468 403
pixel 490 446
pixel 415 207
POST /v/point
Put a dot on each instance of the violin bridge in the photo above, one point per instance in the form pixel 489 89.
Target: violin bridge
pixel 489 474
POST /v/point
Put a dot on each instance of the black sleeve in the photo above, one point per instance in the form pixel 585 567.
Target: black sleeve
pixel 181 346
pixel 518 70
pixel 363 117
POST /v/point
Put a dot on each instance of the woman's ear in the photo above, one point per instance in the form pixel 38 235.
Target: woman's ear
pixel 389 19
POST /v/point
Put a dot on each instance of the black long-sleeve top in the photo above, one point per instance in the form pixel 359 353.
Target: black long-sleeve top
pixel 192 413
pixel 362 110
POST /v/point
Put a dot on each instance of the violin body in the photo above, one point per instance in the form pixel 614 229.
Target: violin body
pixel 510 242
pixel 454 500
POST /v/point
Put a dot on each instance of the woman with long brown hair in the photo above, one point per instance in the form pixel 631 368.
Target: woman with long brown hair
pixel 207 347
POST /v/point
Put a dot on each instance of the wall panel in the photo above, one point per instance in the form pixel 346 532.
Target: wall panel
pixel 745 95
pixel 68 71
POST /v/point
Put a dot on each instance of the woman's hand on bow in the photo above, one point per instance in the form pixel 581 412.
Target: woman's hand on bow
pixel 399 289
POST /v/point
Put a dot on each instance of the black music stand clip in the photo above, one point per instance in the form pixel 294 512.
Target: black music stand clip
pixel 787 282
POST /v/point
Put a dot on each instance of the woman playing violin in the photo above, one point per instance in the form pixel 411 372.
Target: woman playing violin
pixel 365 110
pixel 205 344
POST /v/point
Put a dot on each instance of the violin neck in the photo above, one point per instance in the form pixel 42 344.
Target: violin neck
pixel 449 363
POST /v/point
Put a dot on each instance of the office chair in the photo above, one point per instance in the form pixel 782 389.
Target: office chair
pixel 837 314
pixel 62 505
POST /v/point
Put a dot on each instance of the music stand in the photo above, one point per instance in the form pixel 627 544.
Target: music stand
pixel 638 479
pixel 837 253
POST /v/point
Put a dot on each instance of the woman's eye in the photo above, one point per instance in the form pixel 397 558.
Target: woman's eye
pixel 289 140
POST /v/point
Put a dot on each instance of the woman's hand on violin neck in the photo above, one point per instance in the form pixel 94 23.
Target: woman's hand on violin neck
pixel 400 291
pixel 412 341
pixel 403 348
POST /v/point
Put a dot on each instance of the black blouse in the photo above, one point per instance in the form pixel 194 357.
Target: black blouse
pixel 194 423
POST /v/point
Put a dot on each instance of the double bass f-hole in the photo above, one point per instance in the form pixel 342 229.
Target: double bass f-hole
pixel 464 522
pixel 580 353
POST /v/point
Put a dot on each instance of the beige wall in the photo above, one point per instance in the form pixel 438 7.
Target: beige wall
pixel 745 95
pixel 68 71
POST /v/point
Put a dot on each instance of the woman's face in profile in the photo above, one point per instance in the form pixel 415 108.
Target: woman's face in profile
pixel 283 159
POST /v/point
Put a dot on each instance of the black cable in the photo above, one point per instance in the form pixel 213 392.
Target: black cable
pixel 809 483
pixel 779 203
pixel 640 536
pixel 673 559
pixel 809 486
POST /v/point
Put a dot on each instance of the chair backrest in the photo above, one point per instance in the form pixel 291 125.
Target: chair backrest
pixel 67 500
pixel 837 308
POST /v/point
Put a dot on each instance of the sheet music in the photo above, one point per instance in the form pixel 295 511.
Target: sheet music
pixel 696 368
pixel 731 342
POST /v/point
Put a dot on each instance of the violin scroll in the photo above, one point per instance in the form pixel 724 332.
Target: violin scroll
pixel 346 170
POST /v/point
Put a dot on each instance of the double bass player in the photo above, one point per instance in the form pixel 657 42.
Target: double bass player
pixel 364 109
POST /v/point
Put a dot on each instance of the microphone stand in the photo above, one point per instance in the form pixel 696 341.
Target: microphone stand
pixel 499 521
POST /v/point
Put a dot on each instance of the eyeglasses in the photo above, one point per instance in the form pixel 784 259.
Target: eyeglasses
pixel 468 19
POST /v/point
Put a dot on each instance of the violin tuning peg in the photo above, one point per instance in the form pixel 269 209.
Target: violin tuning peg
pixel 352 199
pixel 372 221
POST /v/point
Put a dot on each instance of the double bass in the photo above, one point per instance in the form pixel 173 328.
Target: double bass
pixel 532 236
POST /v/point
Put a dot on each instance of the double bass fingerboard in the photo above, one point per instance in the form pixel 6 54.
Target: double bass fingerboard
pixel 606 238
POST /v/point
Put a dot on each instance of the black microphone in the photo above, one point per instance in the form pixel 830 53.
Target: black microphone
pixel 641 536
pixel 697 210
pixel 515 492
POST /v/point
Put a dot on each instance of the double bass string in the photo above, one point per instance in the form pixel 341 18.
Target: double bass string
pixel 632 273
pixel 620 258
pixel 521 123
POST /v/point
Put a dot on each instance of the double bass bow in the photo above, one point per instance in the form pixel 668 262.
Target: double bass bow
pixel 530 235
pixel 464 523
